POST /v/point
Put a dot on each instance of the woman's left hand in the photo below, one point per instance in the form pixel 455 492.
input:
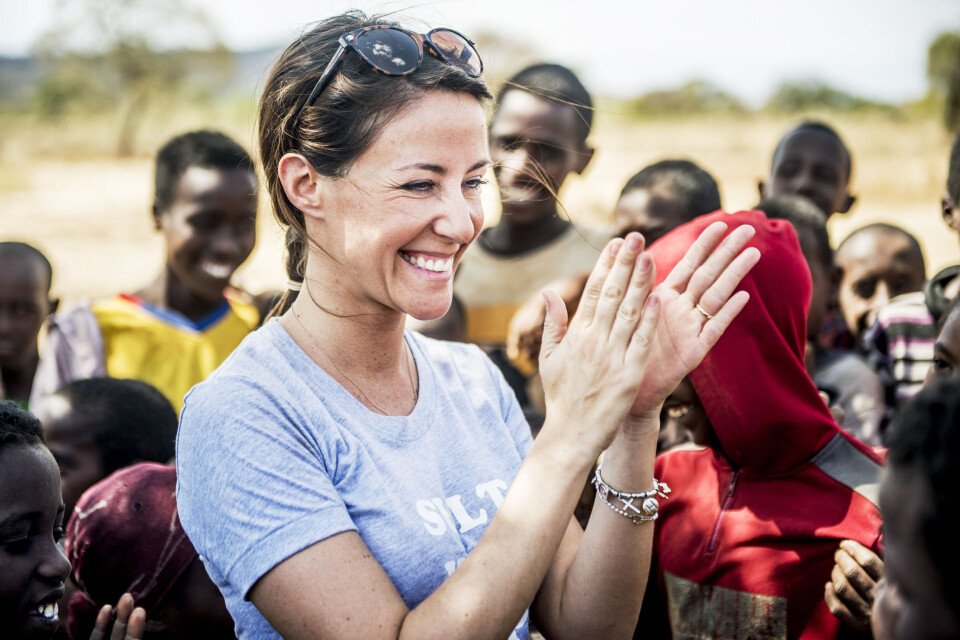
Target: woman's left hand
pixel 701 284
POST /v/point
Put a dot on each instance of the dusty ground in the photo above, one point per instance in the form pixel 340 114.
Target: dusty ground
pixel 91 216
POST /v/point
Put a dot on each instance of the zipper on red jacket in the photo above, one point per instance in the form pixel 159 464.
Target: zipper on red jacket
pixel 723 508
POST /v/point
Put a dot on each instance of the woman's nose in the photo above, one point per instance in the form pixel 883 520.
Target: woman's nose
pixel 458 220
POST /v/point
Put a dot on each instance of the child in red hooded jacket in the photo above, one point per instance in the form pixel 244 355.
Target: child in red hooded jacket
pixel 747 539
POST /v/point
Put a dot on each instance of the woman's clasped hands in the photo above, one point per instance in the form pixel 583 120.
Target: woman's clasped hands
pixel 631 343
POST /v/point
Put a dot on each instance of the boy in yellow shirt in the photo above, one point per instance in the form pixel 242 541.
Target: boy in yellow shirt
pixel 175 330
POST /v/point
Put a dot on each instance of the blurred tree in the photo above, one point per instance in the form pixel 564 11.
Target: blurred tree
pixel 943 70
pixel 694 97
pixel 791 97
pixel 120 55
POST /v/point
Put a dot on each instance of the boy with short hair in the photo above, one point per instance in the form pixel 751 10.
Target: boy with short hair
pixel 96 426
pixel 538 138
pixel 881 295
pixel 25 304
pixel 664 195
pixel 179 327
pixel 812 161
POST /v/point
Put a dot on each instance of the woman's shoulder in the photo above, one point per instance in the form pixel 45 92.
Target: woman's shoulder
pixel 260 368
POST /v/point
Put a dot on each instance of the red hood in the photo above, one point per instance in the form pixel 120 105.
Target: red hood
pixel 753 385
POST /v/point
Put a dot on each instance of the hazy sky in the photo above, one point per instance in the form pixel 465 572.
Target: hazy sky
pixel 875 48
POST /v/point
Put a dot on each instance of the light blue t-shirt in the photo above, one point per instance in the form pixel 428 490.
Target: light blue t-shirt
pixel 274 455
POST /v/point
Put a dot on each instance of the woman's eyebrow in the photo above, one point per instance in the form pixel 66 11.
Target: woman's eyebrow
pixel 439 170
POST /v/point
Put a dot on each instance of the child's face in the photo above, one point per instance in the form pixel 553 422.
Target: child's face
pixel 69 440
pixel 912 605
pixel 210 228
pixel 24 306
pixel 534 144
pixel 686 418
pixel 877 266
pixel 946 351
pixel 32 564
pixel 811 164
pixel 654 212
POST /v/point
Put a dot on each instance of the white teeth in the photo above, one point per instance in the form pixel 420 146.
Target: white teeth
pixel 679 411
pixel 437 266
pixel 49 611
pixel 214 270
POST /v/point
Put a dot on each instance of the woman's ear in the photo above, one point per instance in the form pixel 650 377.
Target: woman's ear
pixel 302 184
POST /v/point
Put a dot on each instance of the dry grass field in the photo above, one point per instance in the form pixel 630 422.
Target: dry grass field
pixel 62 191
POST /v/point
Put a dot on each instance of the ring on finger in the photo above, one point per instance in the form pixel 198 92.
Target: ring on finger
pixel 704 312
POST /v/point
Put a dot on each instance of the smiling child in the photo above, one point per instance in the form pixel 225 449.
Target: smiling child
pixel 180 326
pixel 32 564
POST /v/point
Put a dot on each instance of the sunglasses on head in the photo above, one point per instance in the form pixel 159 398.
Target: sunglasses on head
pixel 393 51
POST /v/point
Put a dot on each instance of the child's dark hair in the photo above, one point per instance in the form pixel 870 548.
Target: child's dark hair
pixel 556 83
pixel 889 229
pixel 695 187
pixel 805 217
pixel 130 421
pixel 24 251
pixel 953 173
pixel 343 121
pixel 925 439
pixel 819 127
pixel 18 427
pixel 205 149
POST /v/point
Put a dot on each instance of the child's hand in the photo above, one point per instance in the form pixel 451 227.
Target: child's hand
pixel 700 285
pixel 129 624
pixel 850 593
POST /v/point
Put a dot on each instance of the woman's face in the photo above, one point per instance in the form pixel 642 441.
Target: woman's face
pixel 392 231
pixel 32 564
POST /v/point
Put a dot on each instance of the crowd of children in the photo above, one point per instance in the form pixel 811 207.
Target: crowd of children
pixel 772 447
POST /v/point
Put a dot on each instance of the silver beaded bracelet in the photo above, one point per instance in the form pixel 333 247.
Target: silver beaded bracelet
pixel 649 507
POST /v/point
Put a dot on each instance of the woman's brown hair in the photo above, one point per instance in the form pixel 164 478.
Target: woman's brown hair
pixel 343 121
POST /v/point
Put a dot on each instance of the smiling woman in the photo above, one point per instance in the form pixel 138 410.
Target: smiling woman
pixel 342 477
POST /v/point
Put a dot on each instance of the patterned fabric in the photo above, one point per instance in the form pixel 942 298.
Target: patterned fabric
pixel 125 537
pixel 899 346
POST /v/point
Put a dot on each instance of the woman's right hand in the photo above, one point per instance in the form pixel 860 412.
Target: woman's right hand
pixel 592 368
pixel 623 335
pixel 129 625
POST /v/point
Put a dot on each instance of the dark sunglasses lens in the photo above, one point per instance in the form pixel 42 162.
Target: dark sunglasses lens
pixel 457 51
pixel 389 50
